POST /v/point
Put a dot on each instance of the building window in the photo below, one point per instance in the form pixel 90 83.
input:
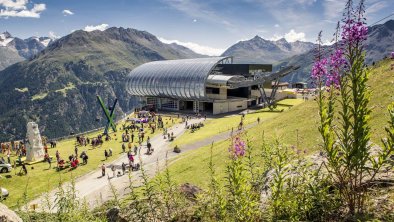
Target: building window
pixel 169 104
pixel 210 90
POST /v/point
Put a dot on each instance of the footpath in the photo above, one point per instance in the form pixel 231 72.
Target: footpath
pixel 95 189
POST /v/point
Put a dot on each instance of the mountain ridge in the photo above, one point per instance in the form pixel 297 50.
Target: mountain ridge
pixel 260 50
pixel 379 44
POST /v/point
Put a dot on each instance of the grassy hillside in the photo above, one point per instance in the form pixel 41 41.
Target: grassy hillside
pixel 41 178
pixel 193 166
pixel 216 126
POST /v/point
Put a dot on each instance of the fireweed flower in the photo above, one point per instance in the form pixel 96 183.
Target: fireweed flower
pixel 319 70
pixel 354 31
pixel 238 147
pixel 336 63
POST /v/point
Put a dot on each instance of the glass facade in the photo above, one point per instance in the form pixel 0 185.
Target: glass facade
pixel 177 79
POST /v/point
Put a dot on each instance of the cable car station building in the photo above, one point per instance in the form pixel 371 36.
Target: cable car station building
pixel 212 85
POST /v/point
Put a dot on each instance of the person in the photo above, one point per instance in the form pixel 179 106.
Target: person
pixel 49 162
pixel 24 168
pixel 113 170
pixel 57 155
pixel 123 148
pixel 103 169
pixel 123 168
pixel 148 140
pixel 110 151
pixel 149 145
pixel 106 154
pixel 132 137
pixel 131 160
pixel 258 120
pixel 76 151
pixel 135 149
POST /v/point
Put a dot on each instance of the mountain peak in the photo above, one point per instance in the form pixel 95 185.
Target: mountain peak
pixel 257 37
pixel 282 40
pixel 6 34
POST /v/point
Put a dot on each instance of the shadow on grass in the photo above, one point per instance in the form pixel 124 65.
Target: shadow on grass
pixel 270 111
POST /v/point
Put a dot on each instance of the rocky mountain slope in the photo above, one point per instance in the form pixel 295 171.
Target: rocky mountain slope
pixel 259 50
pixel 380 43
pixel 13 49
pixel 58 88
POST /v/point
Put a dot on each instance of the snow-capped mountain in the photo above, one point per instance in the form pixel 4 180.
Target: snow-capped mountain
pixel 14 49
pixel 260 50
pixel 5 38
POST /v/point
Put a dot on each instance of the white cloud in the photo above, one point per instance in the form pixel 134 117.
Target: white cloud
pixel 276 37
pixel 16 5
pixel 276 26
pixel 19 8
pixel 67 12
pixel 205 50
pixel 53 35
pixel 305 2
pixel 101 27
pixel 291 36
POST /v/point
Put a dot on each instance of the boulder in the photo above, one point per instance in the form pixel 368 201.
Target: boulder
pixel 177 149
pixel 113 215
pixel 190 191
pixel 7 215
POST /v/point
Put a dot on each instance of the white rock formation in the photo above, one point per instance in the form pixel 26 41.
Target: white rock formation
pixel 34 147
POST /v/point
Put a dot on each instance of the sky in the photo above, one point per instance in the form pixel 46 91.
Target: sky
pixel 206 26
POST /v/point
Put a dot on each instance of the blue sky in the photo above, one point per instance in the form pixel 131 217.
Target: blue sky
pixel 207 26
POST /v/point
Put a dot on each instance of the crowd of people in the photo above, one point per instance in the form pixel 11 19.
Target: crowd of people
pixel 134 139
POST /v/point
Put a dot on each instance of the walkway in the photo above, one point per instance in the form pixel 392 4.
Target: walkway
pixel 95 188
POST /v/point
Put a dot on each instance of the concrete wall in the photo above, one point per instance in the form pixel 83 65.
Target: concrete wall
pixel 237 105
pixel 229 106
pixel 220 107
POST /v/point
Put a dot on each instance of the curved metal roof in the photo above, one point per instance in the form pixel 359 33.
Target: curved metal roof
pixel 178 79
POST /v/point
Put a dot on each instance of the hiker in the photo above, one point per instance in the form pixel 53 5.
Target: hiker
pixel 49 162
pixel 135 149
pixel 131 160
pixel 123 167
pixel 106 154
pixel 24 168
pixel 123 148
pixel 113 170
pixel 110 152
pixel 57 155
pixel 149 145
pixel 132 137
pixel 103 170
pixel 76 151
